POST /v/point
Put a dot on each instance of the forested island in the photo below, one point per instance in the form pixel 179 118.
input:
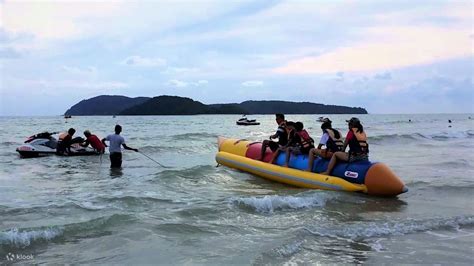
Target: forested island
pixel 175 105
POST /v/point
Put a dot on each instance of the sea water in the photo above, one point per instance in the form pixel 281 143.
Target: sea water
pixel 60 210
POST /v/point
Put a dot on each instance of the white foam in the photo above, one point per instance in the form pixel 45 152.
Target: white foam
pixel 269 204
pixel 289 249
pixel 19 238
pixel 90 205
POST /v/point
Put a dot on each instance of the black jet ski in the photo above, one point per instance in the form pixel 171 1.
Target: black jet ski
pixel 44 143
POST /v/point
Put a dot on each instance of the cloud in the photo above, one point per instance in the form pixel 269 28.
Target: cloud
pixel 80 71
pixel 138 61
pixel 181 84
pixel 252 83
pixel 383 76
pixel 180 70
pixel 340 76
pixel 201 82
pixel 177 83
pixel 387 48
pixel 9 53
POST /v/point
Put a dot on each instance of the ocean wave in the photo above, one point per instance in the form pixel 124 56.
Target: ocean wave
pixel 8 143
pixel 426 184
pixel 359 231
pixel 22 238
pixel 134 201
pixel 271 203
pixel 440 136
pixel 289 250
pixel 182 228
pixel 194 136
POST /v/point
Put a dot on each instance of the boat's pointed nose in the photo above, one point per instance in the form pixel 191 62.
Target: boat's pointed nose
pixel 382 181
pixel 404 189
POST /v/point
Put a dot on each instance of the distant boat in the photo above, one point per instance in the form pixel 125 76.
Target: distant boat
pixel 67 116
pixel 244 121
pixel 321 119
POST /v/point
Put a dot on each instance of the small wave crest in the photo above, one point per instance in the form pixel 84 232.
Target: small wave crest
pixel 24 238
pixel 365 230
pixel 271 203
pixel 440 136
pixel 194 136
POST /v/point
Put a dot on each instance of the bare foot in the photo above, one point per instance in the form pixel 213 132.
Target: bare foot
pixel 285 165
pixel 324 173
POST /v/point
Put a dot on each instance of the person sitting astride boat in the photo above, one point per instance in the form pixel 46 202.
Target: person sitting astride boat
pixel 304 143
pixel 64 145
pixel 358 146
pixel 280 134
pixel 94 141
pixel 331 139
pixel 292 140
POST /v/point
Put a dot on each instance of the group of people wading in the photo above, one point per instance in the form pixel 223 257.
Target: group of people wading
pixel 116 142
pixel 294 139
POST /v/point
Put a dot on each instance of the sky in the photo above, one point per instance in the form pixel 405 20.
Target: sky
pixel 384 55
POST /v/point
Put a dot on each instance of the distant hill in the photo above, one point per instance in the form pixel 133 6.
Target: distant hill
pixel 104 105
pixel 272 107
pixel 174 105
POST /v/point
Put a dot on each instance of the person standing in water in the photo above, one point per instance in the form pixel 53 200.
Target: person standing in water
pixel 116 143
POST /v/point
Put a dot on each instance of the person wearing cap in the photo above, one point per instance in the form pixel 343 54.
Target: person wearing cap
pixel 301 143
pixel 94 141
pixel 358 146
pixel 292 140
pixel 116 143
pixel 331 139
pixel 281 134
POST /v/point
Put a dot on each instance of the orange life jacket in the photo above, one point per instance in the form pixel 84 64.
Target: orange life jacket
pixel 358 144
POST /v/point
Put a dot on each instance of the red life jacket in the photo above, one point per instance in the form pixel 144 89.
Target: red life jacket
pixel 96 143
pixel 306 141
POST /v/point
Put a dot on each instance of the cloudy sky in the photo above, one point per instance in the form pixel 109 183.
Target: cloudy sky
pixel 387 56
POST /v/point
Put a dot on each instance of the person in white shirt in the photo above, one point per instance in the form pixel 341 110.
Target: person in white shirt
pixel 116 143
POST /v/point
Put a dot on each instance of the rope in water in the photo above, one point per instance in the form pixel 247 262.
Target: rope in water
pixel 154 160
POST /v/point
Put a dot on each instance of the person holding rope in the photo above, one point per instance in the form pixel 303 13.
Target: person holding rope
pixel 116 143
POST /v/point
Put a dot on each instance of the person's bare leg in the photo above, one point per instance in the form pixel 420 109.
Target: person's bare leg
pixel 263 150
pixel 287 159
pixel 275 155
pixel 312 154
pixel 336 156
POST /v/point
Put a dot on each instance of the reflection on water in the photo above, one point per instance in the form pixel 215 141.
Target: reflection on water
pixel 116 172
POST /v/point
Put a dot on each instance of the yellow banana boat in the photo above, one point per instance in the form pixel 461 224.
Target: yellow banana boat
pixel 371 178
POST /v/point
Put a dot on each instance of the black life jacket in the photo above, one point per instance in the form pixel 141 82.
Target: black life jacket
pixel 306 141
pixel 358 144
pixel 283 135
pixel 334 144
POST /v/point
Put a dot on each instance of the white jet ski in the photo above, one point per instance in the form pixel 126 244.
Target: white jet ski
pixel 244 121
pixel 44 143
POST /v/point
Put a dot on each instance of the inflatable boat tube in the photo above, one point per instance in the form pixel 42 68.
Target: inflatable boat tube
pixel 371 178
